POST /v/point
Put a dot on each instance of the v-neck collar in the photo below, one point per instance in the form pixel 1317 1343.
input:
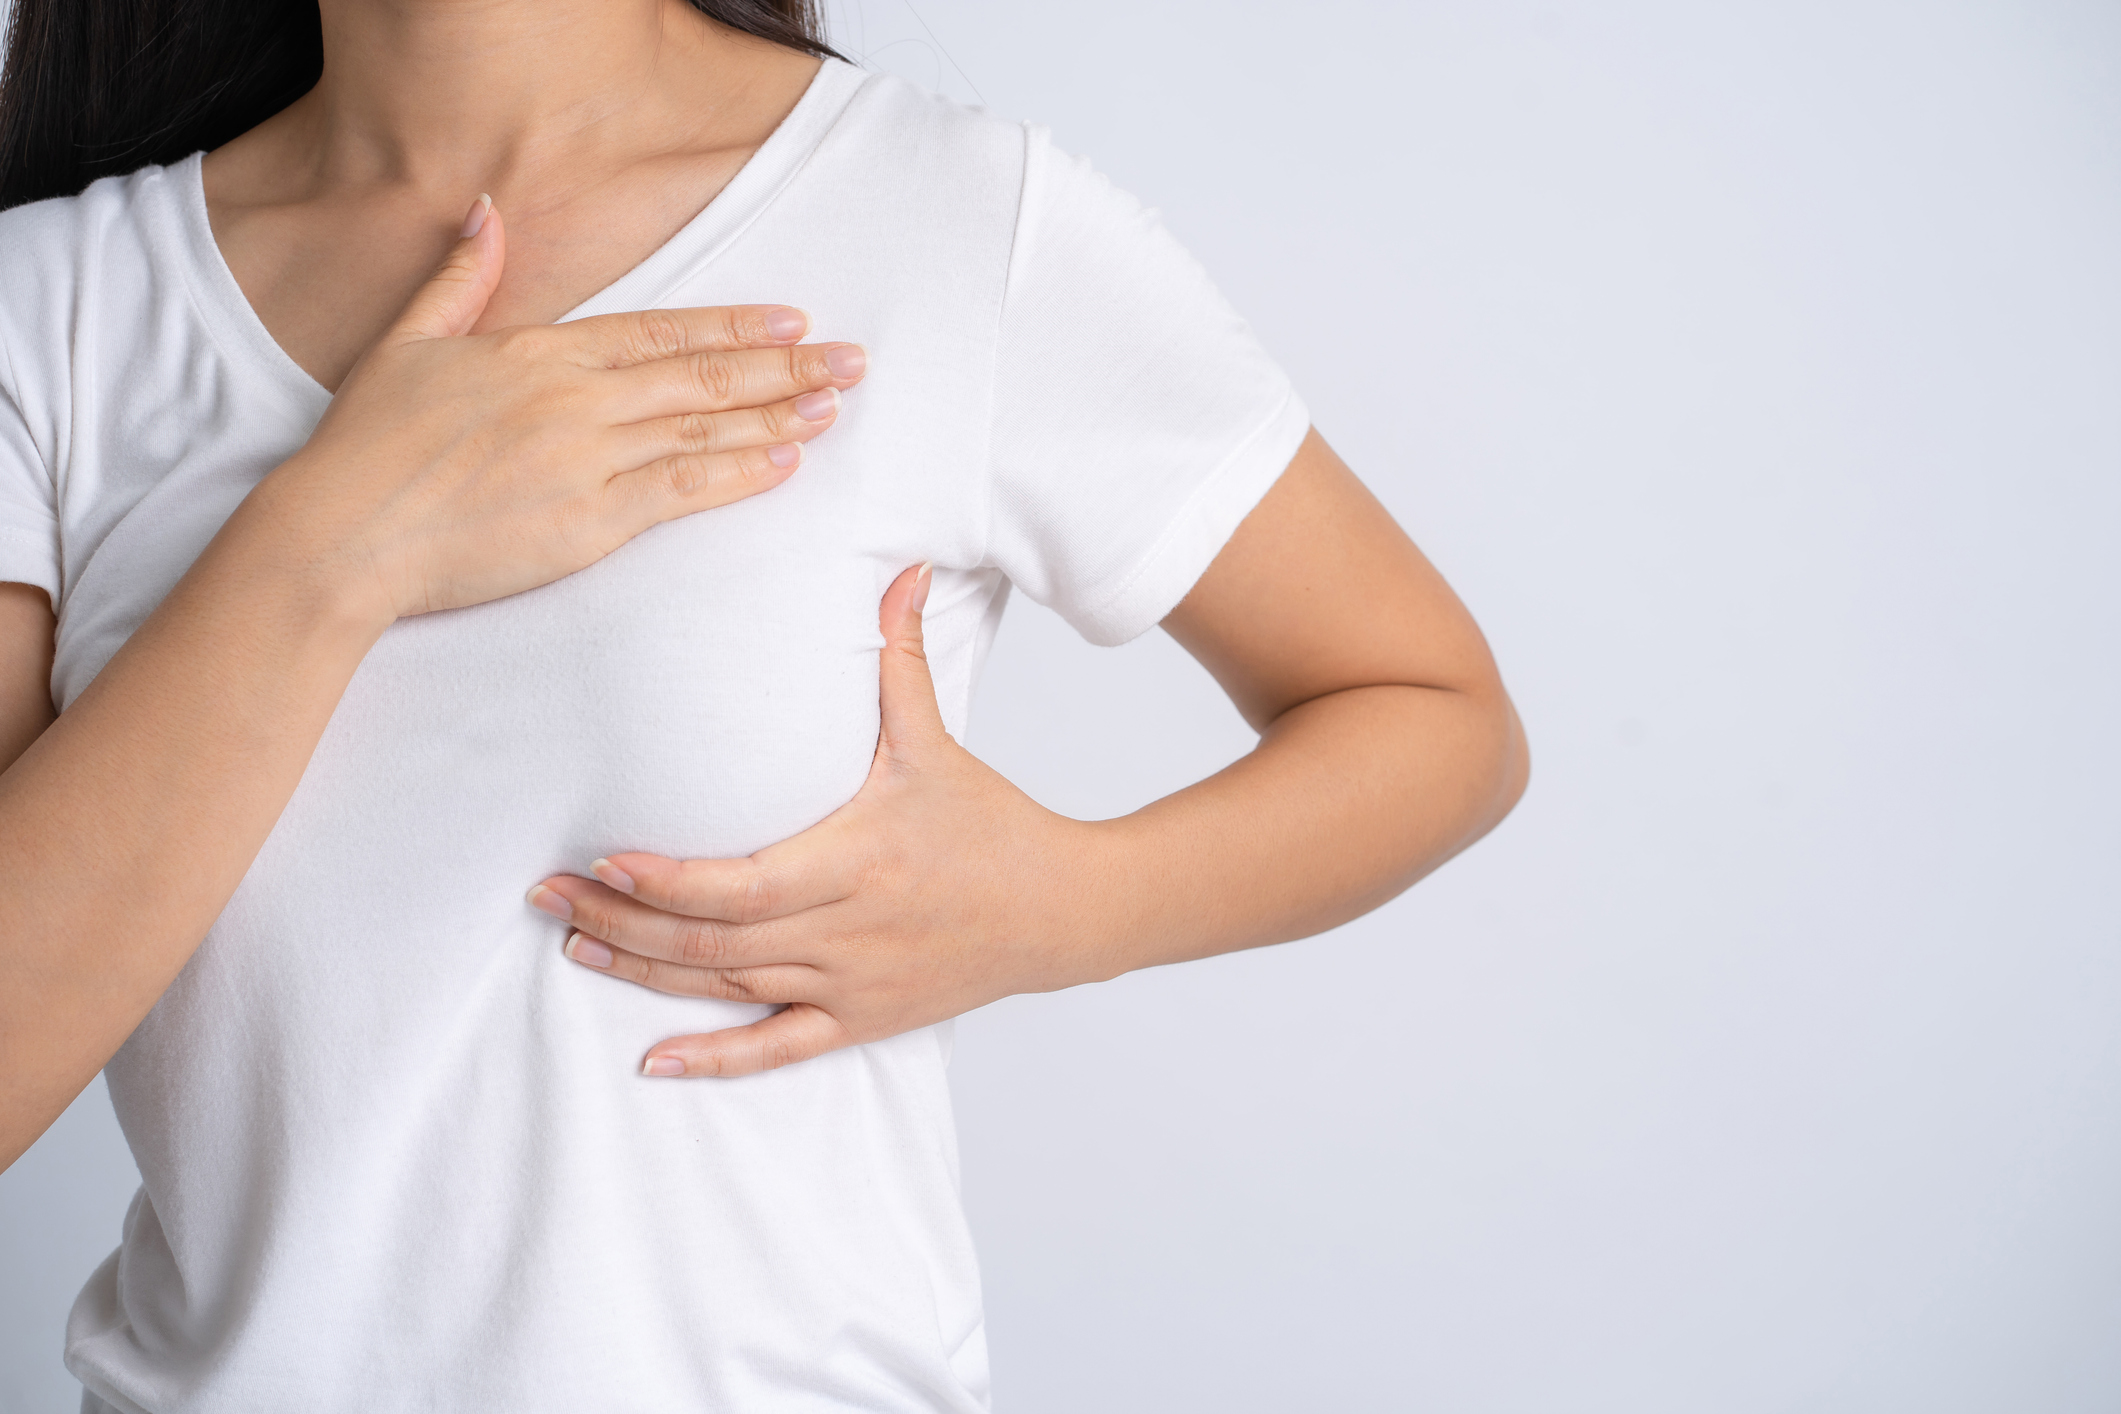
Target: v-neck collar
pixel 764 175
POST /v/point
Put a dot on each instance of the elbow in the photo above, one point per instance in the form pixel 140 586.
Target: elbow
pixel 1515 769
pixel 1503 766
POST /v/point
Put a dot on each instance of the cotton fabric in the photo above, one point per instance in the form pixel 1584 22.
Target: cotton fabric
pixel 395 1151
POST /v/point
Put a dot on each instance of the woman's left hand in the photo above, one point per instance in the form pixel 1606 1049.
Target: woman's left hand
pixel 939 888
pixel 1387 746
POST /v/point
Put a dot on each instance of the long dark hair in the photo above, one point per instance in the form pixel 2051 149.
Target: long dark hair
pixel 96 87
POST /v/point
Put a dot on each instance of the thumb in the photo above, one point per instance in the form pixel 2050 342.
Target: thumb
pixel 455 295
pixel 910 718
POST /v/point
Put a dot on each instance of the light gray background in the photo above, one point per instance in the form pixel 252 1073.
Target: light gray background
pixel 1754 369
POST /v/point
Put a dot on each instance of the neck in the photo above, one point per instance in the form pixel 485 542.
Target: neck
pixel 469 95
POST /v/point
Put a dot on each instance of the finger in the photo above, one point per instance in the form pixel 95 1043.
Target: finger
pixel 611 917
pixel 681 485
pixel 799 1033
pixel 741 378
pixel 817 867
pixel 456 294
pixel 704 433
pixel 642 336
pixel 777 983
pixel 909 717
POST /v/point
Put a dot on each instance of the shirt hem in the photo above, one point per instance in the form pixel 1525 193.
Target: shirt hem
pixel 26 557
pixel 1197 534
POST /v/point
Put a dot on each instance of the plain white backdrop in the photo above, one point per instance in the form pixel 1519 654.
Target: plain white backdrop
pixel 1754 370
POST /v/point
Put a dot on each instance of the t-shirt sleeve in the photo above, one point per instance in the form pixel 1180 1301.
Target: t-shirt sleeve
pixel 29 527
pixel 1137 420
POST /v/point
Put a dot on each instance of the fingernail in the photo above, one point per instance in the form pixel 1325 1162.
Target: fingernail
pixel 786 455
pixel 920 586
pixel 662 1065
pixel 847 361
pixel 553 903
pixel 787 325
pixel 817 406
pixel 611 874
pixel 587 950
pixel 477 217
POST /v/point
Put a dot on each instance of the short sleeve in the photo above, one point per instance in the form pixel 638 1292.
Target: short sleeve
pixel 1136 418
pixel 29 527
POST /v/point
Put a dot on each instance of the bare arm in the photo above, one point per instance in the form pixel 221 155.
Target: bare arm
pixel 26 625
pixel 1387 741
pixel 126 824
pixel 1387 745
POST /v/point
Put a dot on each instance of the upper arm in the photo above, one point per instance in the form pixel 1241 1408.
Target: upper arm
pixel 1136 417
pixel 1147 453
pixel 1318 591
pixel 29 567
pixel 26 626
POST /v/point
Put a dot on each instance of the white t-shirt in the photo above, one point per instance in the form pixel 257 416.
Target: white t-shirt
pixel 396 1153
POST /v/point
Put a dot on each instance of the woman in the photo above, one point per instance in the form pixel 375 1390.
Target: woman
pixel 385 590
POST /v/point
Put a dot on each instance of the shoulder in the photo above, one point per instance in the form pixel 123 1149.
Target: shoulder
pixel 896 104
pixel 939 165
pixel 46 237
pixel 77 266
pixel 101 238
pixel 962 158
pixel 44 246
pixel 899 127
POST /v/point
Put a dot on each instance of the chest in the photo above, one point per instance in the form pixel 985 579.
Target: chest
pixel 327 277
pixel 173 417
pixel 707 689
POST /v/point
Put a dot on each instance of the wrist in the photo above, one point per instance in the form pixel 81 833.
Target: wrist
pixel 277 551
pixel 1109 902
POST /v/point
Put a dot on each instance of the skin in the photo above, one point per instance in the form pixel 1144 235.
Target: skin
pixel 600 126
pixel 472 451
pixel 1387 745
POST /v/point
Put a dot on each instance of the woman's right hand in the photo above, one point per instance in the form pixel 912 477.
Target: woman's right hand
pixel 452 468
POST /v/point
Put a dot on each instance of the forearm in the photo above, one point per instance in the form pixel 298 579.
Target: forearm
pixel 127 825
pixel 1347 801
pixel 941 887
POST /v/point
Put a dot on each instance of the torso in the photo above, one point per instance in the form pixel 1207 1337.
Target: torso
pixel 395 1150
pixel 379 1110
